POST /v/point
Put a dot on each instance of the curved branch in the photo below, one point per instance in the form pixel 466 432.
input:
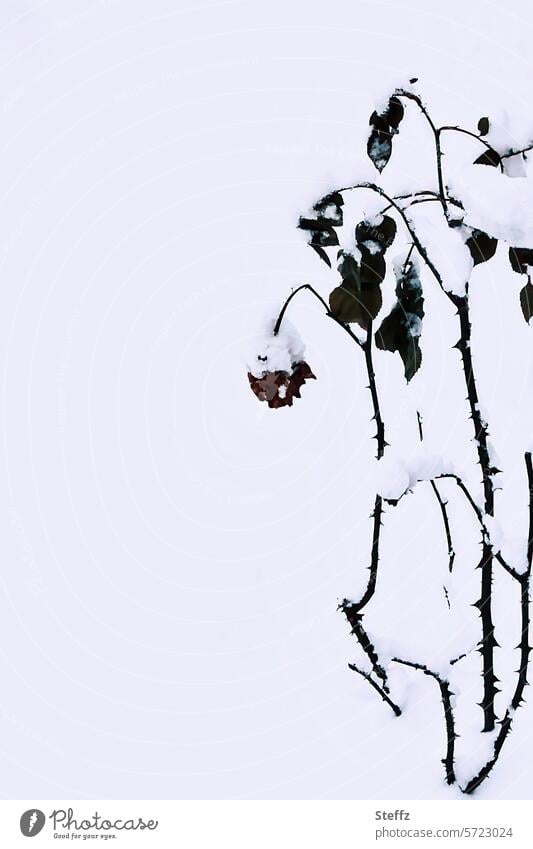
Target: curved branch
pixel 283 310
pixel 436 135
pixel 442 506
pixel 477 138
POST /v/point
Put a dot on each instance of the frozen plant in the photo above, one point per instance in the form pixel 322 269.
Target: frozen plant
pixel 476 213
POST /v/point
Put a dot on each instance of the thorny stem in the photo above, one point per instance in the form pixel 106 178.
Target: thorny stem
pixel 497 555
pixel 484 604
pixel 444 513
pixel 446 698
pixel 355 619
pixel 381 690
pixel 378 503
pixel 525 649
pixel 488 641
pixel 380 436
pixel 352 610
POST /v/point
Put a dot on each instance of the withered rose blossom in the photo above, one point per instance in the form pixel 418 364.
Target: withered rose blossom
pixel 279 388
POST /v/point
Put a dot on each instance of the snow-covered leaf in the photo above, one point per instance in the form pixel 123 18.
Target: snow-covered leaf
pixel 326 215
pixel 383 126
pixel 376 235
pixel 400 330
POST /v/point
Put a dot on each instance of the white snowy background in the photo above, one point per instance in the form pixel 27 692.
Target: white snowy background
pixel 173 551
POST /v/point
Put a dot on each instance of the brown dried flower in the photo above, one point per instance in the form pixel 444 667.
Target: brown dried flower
pixel 279 388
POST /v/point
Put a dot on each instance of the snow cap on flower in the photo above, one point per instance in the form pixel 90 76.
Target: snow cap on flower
pixel 277 369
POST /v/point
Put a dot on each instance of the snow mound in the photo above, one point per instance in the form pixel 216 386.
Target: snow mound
pixel 499 206
pixel 396 474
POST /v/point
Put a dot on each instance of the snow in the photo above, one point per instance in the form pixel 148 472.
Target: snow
pixel 373 205
pixel 446 249
pixel 372 246
pixel 515 166
pixel 415 324
pixel 396 473
pixel 276 353
pixel 499 206
pixel 398 263
pixel 495 532
pixel 392 477
pixel 508 133
pixel 513 549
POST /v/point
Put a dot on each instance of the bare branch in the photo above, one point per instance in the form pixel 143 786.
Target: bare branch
pixel 386 698
pixel 313 291
pixel 436 136
pixel 488 147
pixel 444 513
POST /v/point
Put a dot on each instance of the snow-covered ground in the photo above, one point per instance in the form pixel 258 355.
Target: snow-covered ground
pixel 173 550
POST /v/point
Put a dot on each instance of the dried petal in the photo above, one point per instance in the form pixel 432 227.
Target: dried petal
pixel 279 388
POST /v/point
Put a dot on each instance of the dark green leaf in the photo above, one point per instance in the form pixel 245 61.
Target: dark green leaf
pixel 400 330
pixel 349 270
pixel 381 236
pixel 373 268
pixel 394 113
pixel 489 157
pixel 318 223
pixel 349 306
pixel 520 258
pixel 483 126
pixel 481 246
pixel 358 299
pixel 355 307
pixel 526 301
